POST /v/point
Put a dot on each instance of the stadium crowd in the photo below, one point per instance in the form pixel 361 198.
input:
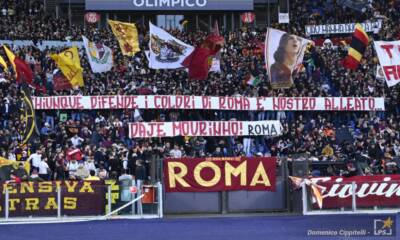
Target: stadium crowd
pixel 72 144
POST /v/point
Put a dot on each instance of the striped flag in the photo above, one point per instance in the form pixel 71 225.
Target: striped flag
pixel 359 43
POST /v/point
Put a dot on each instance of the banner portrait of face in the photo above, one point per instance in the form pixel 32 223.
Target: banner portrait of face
pixel 284 56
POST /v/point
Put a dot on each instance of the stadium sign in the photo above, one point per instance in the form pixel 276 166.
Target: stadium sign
pixel 78 198
pixel 378 190
pixel 92 17
pixel 220 174
pixel 170 5
pixel 248 17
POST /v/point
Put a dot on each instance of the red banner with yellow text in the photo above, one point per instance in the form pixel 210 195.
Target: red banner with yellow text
pixel 78 198
pixel 370 191
pixel 220 174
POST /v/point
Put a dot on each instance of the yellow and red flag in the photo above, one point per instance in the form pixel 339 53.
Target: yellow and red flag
pixel 23 72
pixel 70 65
pixel 127 36
pixel 359 43
pixel 3 63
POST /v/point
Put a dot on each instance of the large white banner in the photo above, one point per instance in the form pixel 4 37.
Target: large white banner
pixel 100 56
pixel 166 51
pixel 284 54
pixel 210 103
pixel 389 59
pixel 341 28
pixel 205 128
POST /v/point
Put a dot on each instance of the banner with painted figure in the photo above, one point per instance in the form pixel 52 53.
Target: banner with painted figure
pixel 284 54
pixel 210 103
pixel 166 51
pixel 389 59
pixel 220 174
pixel 205 128
pixel 100 56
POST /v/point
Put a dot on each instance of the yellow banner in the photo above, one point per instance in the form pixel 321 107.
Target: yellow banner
pixel 70 65
pixel 127 36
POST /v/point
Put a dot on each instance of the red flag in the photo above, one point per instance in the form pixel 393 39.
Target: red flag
pixel 198 62
pixel 24 71
pixel 60 82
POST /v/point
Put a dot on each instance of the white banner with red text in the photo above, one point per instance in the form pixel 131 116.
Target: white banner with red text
pixel 205 129
pixel 389 58
pixel 341 28
pixel 210 103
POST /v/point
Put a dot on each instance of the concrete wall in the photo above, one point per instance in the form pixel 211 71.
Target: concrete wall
pixel 237 201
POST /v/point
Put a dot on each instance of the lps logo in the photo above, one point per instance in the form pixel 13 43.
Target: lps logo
pixel 384 227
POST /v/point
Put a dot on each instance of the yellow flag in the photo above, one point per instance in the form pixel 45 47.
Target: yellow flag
pixel 11 58
pixel 15 164
pixel 4 162
pixel 70 65
pixel 127 36
pixel 3 63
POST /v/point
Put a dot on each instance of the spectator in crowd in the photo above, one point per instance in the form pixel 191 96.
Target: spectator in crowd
pixel 176 152
pixel 92 176
pixel 35 159
pixel 44 169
